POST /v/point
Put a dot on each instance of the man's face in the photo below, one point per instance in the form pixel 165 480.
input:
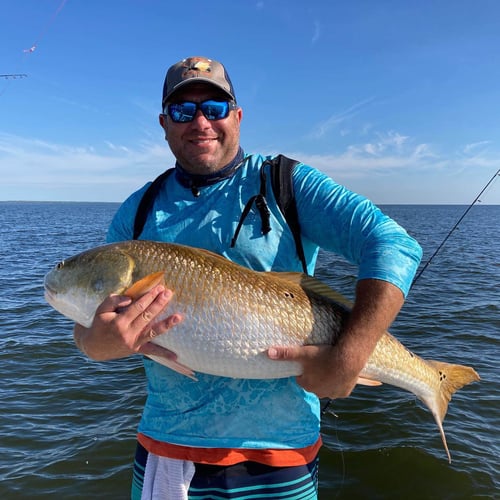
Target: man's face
pixel 203 146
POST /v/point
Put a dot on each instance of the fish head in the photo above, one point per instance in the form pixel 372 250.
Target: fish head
pixel 77 286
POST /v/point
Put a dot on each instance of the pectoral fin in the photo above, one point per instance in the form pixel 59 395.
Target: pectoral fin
pixel 174 365
pixel 145 284
pixel 368 381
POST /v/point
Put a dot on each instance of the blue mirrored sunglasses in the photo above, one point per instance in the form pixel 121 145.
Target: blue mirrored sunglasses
pixel 182 112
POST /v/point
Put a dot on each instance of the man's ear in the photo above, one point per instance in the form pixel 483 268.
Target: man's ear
pixel 163 123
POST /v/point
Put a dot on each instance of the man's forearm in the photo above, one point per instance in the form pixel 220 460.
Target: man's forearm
pixel 376 306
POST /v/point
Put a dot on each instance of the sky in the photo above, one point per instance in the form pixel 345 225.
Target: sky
pixel 395 99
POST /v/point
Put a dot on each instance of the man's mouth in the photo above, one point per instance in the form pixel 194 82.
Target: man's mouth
pixel 203 141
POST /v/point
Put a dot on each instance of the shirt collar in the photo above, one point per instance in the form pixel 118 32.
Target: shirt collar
pixel 195 181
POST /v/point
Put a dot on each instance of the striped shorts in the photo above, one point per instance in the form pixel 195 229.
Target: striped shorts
pixel 245 480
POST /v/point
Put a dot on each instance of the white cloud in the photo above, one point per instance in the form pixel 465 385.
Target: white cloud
pixel 35 163
pixel 322 128
pixel 39 170
pixel 475 146
pixel 117 147
pixel 384 142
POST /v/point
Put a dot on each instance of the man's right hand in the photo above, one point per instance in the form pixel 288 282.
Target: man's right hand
pixel 123 326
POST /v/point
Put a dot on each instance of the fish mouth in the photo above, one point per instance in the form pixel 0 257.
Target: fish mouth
pixel 49 295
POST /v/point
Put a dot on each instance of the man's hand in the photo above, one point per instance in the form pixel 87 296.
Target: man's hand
pixel 122 327
pixel 332 371
pixel 326 371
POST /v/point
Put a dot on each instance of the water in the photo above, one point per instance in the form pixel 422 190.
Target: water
pixel 67 425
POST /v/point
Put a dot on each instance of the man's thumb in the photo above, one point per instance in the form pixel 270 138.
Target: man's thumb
pixel 282 353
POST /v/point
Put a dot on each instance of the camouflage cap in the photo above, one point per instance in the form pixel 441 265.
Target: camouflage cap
pixel 196 69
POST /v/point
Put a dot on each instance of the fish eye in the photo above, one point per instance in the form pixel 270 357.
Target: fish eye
pixel 60 265
pixel 98 285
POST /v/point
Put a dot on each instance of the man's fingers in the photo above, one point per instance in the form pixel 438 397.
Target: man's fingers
pixel 113 303
pixel 136 321
pixel 291 353
pixel 281 353
pixel 150 348
pixel 145 309
pixel 163 325
pixel 146 316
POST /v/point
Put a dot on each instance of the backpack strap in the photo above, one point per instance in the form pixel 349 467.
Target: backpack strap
pixel 146 202
pixel 281 180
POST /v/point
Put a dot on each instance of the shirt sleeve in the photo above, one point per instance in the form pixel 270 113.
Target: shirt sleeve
pixel 122 225
pixel 348 224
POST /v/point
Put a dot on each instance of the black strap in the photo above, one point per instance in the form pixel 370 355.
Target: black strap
pixel 147 202
pixel 282 182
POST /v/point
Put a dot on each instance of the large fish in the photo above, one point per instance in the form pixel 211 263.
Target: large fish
pixel 232 315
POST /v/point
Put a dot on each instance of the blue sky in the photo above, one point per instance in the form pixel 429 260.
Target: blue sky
pixel 398 100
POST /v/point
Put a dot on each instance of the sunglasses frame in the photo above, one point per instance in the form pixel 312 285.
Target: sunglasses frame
pixel 231 105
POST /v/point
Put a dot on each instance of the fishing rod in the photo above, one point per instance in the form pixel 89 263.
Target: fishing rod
pixel 13 76
pixel 325 404
pixel 497 173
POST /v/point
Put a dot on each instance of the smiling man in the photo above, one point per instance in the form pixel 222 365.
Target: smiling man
pixel 201 146
pixel 232 438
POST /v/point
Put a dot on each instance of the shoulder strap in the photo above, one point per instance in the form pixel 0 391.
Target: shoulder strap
pixel 281 180
pixel 147 202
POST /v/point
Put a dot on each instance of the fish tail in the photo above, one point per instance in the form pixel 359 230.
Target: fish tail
pixel 451 379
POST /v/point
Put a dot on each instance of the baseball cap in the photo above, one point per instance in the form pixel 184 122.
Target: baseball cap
pixel 196 69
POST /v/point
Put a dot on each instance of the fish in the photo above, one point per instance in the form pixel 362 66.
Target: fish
pixel 233 315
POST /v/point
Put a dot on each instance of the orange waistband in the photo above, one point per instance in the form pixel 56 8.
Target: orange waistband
pixel 231 456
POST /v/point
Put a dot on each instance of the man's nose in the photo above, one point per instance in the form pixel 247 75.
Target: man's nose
pixel 200 119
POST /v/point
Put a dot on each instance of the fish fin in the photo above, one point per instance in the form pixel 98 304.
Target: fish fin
pixel 451 379
pixel 312 284
pixel 368 381
pixel 175 366
pixel 211 255
pixel 145 284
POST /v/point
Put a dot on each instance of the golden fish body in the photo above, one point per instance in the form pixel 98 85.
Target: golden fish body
pixel 232 315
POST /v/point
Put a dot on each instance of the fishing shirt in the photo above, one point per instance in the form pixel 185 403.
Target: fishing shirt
pixel 225 413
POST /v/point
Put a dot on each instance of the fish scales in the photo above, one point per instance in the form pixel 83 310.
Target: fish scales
pixel 232 315
pixel 240 312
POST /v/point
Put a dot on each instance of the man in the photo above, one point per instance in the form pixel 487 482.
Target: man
pixel 230 437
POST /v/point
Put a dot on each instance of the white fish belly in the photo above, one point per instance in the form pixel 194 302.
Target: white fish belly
pixel 229 348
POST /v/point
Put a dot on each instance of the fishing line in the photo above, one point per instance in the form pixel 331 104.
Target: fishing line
pixel 497 173
pixel 45 29
pixel 27 52
pixel 326 403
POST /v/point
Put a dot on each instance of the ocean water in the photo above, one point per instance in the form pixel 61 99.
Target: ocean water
pixel 67 424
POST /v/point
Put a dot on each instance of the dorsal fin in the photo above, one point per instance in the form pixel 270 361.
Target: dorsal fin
pixel 212 255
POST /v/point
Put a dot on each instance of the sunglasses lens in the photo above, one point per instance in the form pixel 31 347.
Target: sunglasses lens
pixel 214 110
pixel 183 112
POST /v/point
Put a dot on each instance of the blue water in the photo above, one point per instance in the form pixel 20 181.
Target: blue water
pixel 67 424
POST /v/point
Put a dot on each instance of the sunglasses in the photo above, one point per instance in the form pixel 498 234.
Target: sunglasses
pixel 183 112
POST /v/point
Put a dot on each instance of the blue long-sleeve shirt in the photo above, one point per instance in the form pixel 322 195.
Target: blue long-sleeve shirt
pixel 233 413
